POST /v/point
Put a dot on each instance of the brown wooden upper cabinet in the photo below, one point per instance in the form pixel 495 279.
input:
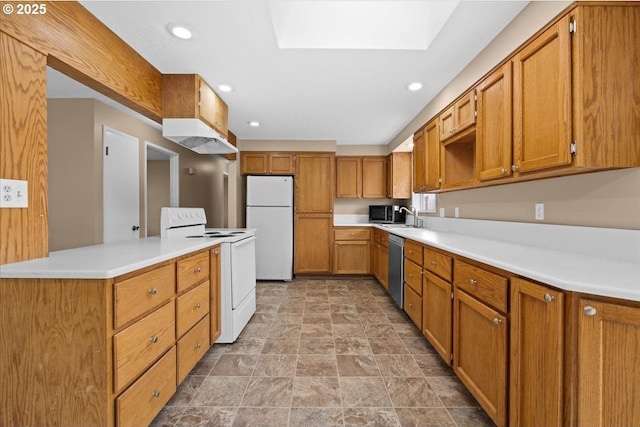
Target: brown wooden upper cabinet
pixel 267 163
pixel 399 176
pixel 361 177
pixel 458 117
pixel 493 128
pixel 189 96
pixel 314 183
pixel 568 115
pixel 426 158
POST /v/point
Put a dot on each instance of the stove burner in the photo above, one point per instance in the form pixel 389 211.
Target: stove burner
pixel 209 235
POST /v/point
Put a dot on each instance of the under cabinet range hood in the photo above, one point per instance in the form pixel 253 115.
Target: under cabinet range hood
pixel 196 135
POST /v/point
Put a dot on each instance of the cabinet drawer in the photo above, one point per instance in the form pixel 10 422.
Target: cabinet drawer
pixel 413 306
pixel 413 276
pixel 137 346
pixel 438 263
pixel 413 251
pixel 139 294
pixel 351 234
pixel 193 270
pixel 192 347
pixel 141 402
pixel 191 306
pixel 484 285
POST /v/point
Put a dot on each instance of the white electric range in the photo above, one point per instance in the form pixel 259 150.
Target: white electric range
pixel 237 264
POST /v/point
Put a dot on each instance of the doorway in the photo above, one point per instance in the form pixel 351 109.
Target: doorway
pixel 161 185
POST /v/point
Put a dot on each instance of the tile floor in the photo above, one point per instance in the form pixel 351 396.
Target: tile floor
pixel 323 353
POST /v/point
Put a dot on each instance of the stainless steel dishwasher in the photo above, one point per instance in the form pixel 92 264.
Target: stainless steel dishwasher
pixel 396 269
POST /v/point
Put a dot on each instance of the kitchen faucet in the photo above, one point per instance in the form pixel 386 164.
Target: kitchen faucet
pixel 417 222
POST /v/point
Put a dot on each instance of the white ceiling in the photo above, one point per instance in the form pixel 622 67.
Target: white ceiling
pixel 351 95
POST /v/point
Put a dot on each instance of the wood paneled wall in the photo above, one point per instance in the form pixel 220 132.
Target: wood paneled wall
pixel 71 40
pixel 23 149
pixel 78 44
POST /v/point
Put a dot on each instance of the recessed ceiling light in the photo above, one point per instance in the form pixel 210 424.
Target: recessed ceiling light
pixel 414 86
pixel 180 31
pixel 225 88
pixel 254 124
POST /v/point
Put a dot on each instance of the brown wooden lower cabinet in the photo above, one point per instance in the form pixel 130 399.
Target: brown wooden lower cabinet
pixel 608 366
pixel 480 353
pixel 413 305
pixel 437 308
pixel 313 243
pixel 214 295
pixel 352 257
pixel 536 359
pixel 381 264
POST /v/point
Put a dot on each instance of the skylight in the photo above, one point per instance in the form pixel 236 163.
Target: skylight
pixel 403 25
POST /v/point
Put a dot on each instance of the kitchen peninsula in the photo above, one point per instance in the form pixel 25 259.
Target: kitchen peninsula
pixel 103 335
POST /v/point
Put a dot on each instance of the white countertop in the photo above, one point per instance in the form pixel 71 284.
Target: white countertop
pixel 109 260
pixel 581 259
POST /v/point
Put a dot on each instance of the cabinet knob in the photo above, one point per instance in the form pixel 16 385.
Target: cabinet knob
pixel 473 282
pixel 198 269
pixel 197 305
pixel 198 345
pixel 153 291
pixel 589 311
pixel 156 393
pixel 503 170
pixel 514 168
pixel 154 339
pixel 410 305
pixel 548 298
pixel 496 321
pixel 434 263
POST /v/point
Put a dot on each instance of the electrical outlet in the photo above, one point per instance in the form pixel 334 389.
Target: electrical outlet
pixel 441 212
pixel 456 212
pixel 14 193
pixel 539 211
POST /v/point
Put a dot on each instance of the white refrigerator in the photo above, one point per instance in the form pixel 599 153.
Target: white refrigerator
pixel 270 212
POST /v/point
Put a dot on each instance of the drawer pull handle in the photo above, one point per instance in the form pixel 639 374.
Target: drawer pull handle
pixel 198 269
pixel 410 305
pixel 473 282
pixel 197 305
pixel 198 346
pixel 496 321
pixel 154 339
pixel 153 291
pixel 433 263
pixel 589 311
pixel 548 298
pixel 156 393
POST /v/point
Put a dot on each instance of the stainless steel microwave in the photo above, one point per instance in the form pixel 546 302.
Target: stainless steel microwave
pixel 387 214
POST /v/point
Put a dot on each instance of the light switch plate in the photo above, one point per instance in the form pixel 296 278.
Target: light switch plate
pixel 539 211
pixel 14 193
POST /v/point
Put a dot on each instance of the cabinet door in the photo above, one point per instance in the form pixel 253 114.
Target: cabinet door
pixel 214 295
pixel 465 112
pixel 313 243
pixel 352 257
pixel 348 177
pixel 207 104
pixel 374 177
pixel 542 101
pixel 437 311
pixel 221 116
pixel 380 264
pixel 281 163
pixel 536 359
pixel 399 176
pixel 480 353
pixel 314 183
pixel 493 130
pixel 419 162
pixel 432 150
pixel 253 163
pixel 608 368
pixel 446 123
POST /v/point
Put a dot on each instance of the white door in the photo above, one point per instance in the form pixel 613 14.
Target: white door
pixel 121 186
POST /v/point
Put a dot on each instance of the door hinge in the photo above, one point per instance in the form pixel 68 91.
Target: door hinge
pixel 573 27
pixel 573 147
pixel 106 150
pixel 451 358
pixel 451 295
